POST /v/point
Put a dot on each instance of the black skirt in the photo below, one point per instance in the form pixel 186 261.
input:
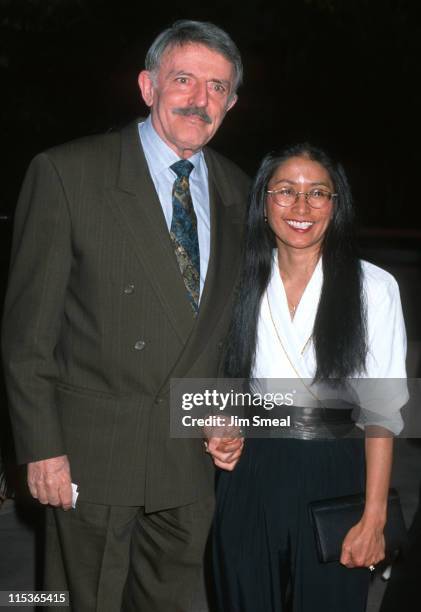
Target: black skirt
pixel 264 553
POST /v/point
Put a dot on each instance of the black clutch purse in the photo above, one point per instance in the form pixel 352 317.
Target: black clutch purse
pixel 333 518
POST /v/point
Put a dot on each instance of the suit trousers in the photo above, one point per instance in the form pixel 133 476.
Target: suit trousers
pixel 265 557
pixel 116 558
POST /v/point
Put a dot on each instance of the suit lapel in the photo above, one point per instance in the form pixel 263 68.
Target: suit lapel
pixel 137 209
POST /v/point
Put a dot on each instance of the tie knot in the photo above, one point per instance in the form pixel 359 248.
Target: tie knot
pixel 182 168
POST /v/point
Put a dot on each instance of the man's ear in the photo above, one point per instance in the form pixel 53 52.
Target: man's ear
pixel 146 86
pixel 232 102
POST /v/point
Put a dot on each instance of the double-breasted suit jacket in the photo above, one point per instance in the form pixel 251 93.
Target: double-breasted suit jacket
pixel 97 320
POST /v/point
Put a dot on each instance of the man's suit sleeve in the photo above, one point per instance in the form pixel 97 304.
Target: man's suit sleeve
pixel 34 308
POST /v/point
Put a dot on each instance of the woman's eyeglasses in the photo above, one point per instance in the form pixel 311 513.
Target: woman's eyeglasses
pixel 287 196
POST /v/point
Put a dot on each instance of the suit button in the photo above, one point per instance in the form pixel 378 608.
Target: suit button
pixel 128 289
pixel 158 400
pixel 140 345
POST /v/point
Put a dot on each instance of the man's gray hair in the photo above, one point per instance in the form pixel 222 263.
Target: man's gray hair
pixel 185 31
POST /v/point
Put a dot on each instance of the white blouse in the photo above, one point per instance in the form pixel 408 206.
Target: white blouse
pixel 285 348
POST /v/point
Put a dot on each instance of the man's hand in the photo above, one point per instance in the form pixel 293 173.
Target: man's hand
pixel 225 452
pixel 49 481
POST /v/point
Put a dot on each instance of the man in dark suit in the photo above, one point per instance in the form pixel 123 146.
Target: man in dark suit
pixel 126 250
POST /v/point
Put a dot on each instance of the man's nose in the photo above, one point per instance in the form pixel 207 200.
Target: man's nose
pixel 199 96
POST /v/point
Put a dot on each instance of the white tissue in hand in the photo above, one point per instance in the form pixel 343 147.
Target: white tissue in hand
pixel 74 494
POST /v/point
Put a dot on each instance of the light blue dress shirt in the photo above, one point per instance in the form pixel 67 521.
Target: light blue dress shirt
pixel 159 158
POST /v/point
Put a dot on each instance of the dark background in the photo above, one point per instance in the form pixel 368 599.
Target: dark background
pixel 342 73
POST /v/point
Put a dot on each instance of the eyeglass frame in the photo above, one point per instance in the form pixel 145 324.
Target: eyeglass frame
pixel 306 194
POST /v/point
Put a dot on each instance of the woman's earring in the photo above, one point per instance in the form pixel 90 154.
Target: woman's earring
pixel 265 218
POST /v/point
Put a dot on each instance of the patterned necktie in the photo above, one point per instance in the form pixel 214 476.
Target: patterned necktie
pixel 184 231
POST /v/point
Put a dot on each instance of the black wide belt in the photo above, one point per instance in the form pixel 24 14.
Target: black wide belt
pixel 306 423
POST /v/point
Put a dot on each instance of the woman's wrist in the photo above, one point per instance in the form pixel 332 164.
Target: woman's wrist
pixel 375 515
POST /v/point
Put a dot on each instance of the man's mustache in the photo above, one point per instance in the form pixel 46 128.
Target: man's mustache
pixel 193 110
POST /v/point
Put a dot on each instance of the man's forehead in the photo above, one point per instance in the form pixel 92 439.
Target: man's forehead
pixel 195 57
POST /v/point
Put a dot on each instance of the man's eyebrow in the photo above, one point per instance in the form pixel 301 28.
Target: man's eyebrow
pixel 222 81
pixel 180 73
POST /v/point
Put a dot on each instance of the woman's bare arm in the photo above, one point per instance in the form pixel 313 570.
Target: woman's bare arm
pixel 364 543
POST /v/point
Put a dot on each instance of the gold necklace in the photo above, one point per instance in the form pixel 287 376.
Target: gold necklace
pixel 291 309
pixel 286 352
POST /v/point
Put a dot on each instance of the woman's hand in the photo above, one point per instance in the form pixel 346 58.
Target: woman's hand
pixel 363 544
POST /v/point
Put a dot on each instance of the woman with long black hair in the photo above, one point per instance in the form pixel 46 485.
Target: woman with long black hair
pixel 309 309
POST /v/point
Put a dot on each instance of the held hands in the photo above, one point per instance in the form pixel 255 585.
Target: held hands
pixel 225 445
pixel 364 545
pixel 49 481
pixel 225 452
